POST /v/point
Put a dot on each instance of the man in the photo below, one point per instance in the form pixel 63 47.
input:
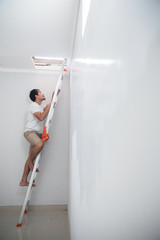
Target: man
pixel 33 130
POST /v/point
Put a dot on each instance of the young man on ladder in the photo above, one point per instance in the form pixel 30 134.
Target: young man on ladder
pixel 38 114
pixel 33 130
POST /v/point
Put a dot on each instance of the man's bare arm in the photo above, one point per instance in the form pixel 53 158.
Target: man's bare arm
pixel 42 115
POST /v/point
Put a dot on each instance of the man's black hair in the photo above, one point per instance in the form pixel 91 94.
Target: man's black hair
pixel 33 94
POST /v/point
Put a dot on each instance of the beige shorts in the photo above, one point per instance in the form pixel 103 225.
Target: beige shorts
pixel 33 137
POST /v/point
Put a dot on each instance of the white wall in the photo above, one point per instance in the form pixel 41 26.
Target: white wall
pixel 35 28
pixel 115 130
pixel 52 181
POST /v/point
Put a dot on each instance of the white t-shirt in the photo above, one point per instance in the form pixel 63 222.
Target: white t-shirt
pixel 32 123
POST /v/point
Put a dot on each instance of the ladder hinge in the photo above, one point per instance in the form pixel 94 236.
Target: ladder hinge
pixel 45 136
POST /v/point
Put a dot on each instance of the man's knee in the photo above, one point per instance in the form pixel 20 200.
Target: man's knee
pixel 40 145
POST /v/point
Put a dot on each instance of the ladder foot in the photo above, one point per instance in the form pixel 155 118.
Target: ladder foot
pixel 19 224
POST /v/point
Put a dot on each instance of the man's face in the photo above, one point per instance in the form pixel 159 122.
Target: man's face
pixel 41 95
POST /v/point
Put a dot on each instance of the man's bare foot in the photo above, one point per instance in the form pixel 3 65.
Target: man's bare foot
pixel 25 183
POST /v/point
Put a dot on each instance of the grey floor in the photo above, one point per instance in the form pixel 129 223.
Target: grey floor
pixel 40 223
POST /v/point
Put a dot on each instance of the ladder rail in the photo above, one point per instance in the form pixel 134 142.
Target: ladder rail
pixel 28 191
pixel 54 100
pixel 36 164
pixel 34 178
pixel 45 136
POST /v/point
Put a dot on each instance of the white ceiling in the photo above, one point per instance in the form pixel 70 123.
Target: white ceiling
pixel 35 28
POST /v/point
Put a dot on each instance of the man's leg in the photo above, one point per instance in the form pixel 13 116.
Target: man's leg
pixel 24 181
pixel 34 153
pixel 29 163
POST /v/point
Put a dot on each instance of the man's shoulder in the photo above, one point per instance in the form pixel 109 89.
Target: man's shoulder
pixel 32 105
pixel 35 107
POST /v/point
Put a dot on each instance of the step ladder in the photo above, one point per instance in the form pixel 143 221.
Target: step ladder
pixel 45 137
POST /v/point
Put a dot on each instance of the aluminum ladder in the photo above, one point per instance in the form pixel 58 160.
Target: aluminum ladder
pixel 45 137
